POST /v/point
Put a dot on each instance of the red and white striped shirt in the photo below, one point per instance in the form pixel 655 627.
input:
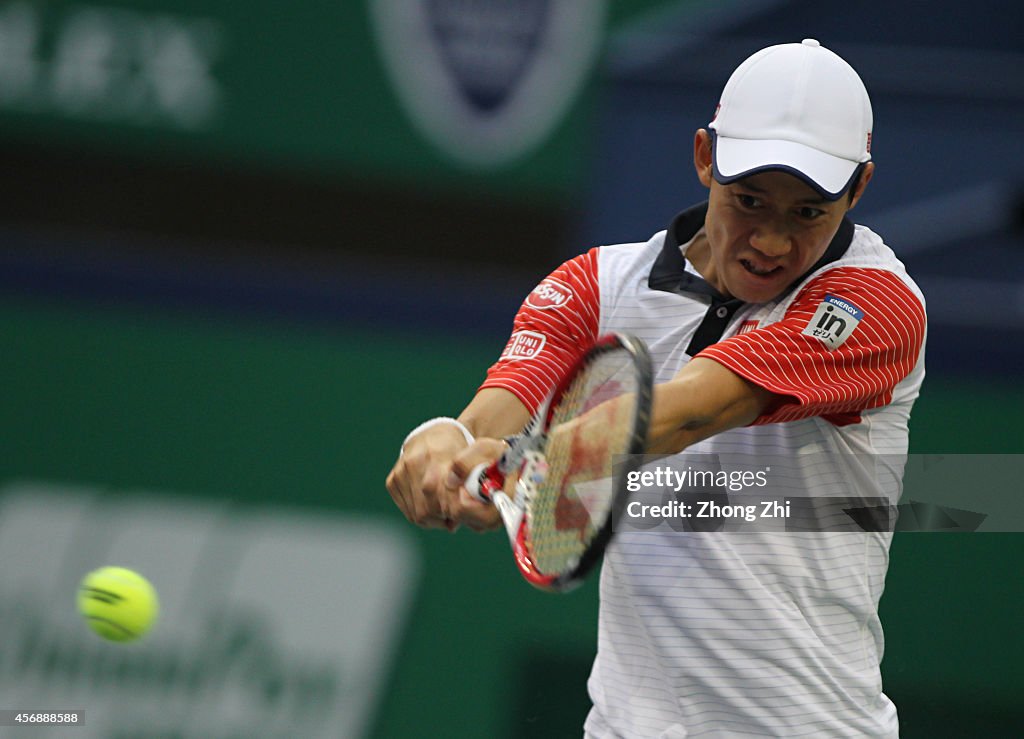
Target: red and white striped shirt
pixel 725 634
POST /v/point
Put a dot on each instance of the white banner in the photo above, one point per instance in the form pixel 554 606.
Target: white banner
pixel 273 623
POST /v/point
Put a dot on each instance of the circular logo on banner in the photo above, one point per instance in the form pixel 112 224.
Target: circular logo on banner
pixel 488 80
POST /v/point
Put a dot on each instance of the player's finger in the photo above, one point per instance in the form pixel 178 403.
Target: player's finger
pixel 437 497
pixel 464 508
pixel 424 508
pixel 481 451
pixel 422 480
pixel 404 485
pixel 396 484
pixel 476 515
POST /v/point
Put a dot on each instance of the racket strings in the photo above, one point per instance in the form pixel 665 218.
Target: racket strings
pixel 586 433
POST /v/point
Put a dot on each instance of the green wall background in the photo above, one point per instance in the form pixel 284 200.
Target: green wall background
pixel 299 87
pixel 264 412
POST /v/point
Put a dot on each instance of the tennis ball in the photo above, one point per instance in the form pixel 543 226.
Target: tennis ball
pixel 118 604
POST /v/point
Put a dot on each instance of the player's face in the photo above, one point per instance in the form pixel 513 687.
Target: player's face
pixel 765 231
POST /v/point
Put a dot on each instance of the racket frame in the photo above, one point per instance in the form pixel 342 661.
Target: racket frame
pixel 525 455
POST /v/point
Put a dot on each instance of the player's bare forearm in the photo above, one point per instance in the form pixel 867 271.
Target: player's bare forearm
pixel 495 413
pixel 703 399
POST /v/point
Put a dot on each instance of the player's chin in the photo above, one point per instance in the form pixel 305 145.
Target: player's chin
pixel 751 287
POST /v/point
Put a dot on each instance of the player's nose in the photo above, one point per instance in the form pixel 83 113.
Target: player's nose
pixel 771 241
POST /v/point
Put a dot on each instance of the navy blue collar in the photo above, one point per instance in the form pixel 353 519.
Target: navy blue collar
pixel 669 274
pixel 669 271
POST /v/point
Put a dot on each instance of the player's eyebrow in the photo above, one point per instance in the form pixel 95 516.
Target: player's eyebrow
pixel 810 200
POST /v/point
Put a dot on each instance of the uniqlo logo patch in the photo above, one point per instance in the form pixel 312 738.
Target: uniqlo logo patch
pixel 524 345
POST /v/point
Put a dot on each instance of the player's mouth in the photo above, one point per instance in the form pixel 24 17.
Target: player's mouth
pixel 760 270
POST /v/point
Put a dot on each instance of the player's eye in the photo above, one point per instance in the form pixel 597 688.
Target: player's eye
pixel 747 201
pixel 809 214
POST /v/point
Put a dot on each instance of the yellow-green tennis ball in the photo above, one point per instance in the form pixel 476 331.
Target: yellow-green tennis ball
pixel 117 603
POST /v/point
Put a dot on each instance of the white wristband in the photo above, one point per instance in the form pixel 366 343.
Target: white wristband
pixel 435 422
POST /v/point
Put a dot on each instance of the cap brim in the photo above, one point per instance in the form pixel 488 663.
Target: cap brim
pixel 738 158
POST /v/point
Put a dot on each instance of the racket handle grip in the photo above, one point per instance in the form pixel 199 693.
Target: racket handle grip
pixel 484 481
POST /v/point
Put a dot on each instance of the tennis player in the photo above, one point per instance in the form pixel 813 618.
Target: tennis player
pixel 777 327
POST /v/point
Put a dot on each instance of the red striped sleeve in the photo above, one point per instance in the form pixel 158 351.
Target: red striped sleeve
pixel 818 380
pixel 553 326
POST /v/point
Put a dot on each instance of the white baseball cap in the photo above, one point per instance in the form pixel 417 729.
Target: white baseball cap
pixel 799 108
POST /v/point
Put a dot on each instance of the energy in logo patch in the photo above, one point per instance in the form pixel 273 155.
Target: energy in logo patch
pixel 833 321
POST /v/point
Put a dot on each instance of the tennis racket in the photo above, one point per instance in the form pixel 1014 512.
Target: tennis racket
pixel 571 464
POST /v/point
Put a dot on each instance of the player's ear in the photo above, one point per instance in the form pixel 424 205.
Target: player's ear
pixel 702 157
pixel 862 183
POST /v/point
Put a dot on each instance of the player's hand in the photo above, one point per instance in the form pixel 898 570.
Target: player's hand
pixel 417 481
pixel 466 509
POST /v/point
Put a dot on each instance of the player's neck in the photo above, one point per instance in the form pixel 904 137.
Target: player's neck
pixel 698 254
